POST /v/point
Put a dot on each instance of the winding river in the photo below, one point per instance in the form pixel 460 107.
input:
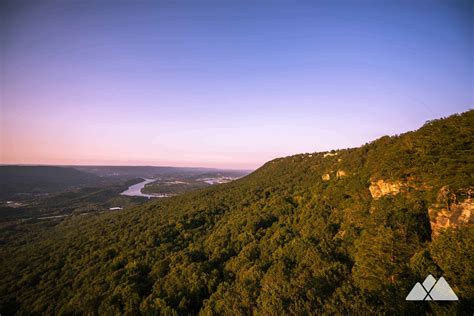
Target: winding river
pixel 136 189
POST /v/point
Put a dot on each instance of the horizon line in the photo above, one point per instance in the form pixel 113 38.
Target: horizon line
pixel 96 165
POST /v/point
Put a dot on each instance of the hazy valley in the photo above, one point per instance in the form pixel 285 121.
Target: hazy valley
pixel 49 192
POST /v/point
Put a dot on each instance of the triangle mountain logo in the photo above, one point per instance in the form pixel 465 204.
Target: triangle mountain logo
pixel 432 290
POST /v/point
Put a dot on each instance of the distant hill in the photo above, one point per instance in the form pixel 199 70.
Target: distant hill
pixel 40 179
pixel 21 181
pixel 345 232
pixel 156 171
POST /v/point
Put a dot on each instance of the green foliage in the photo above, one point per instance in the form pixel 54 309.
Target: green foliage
pixel 173 187
pixel 278 241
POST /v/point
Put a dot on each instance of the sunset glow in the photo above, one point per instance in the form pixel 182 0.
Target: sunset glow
pixel 229 86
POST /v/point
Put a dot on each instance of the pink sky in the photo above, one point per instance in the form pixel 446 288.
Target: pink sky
pixel 217 85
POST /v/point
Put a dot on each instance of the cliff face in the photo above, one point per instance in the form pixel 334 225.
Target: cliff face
pixel 341 174
pixel 448 212
pixel 381 188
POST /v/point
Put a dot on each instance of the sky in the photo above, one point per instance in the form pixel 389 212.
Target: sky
pixel 226 84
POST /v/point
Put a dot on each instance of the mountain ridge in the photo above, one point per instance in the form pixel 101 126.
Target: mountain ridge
pixel 282 240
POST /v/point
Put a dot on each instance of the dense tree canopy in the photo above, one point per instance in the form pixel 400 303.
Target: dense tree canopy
pixel 279 241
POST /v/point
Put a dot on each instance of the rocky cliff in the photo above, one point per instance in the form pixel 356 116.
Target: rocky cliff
pixel 381 188
pixel 449 212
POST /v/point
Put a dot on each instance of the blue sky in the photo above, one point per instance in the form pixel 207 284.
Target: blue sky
pixel 224 84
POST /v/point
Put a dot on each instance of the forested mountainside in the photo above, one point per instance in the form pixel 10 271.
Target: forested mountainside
pixel 343 232
pixel 41 179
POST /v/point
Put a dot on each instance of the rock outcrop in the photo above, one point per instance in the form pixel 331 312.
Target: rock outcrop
pixel 341 174
pixel 448 212
pixel 381 188
pixel 326 177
